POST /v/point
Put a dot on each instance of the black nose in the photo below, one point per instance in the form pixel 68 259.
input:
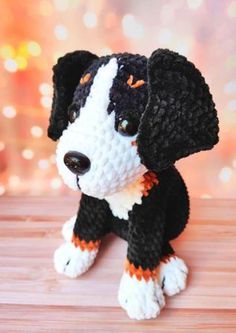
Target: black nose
pixel 76 162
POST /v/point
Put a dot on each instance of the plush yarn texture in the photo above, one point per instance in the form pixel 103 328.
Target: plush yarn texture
pixel 132 117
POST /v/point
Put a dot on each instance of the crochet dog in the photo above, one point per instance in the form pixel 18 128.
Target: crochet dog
pixel 122 121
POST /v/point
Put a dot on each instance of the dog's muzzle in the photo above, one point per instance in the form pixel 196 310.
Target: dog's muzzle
pixel 77 163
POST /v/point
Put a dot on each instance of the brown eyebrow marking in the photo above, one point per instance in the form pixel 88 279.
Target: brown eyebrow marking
pixel 137 84
pixel 85 78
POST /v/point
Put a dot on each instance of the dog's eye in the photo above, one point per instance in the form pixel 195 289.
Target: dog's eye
pixel 73 112
pixel 128 127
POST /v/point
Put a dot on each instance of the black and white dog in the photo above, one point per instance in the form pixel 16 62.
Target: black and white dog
pixel 122 121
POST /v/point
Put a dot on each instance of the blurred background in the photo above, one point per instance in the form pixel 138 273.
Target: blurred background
pixel 33 34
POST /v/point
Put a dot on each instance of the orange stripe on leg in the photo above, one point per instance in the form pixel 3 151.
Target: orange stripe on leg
pixel 89 246
pixel 139 272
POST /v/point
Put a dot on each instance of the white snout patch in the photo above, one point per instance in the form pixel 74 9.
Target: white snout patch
pixel 114 161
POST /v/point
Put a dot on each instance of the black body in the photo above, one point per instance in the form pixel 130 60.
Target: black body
pixel 161 218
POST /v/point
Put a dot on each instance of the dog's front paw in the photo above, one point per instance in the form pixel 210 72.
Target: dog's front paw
pixel 173 275
pixel 72 261
pixel 140 298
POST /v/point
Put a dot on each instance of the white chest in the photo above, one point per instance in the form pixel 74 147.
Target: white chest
pixel 122 202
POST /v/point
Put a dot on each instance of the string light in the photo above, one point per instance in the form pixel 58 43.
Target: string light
pixel 90 20
pixel 46 102
pixel 14 181
pixel 9 111
pixel 2 145
pixel 21 62
pixel 131 28
pixel 27 63
pixel 206 196
pixel 34 49
pixel 43 164
pixel 231 106
pixel 165 36
pixel 10 65
pixel 28 154
pixel 45 8
pixel 231 10
pixel 230 87
pixel 45 89
pixel 61 32
pixel 7 51
pixel 2 189
pixel 22 50
pixel 55 183
pixel 36 131
pixel 194 4
pixel 225 174
pixel 61 5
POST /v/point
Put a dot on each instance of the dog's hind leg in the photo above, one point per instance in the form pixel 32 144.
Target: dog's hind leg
pixel 83 235
pixel 172 270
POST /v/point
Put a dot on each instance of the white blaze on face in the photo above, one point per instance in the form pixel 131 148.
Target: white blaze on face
pixel 114 161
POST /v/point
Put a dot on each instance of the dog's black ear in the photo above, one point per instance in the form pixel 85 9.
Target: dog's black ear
pixel 66 76
pixel 180 117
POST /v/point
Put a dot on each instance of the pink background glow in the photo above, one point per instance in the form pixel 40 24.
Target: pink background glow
pixel 33 34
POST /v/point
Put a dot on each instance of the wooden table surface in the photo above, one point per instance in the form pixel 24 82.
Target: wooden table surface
pixel 34 298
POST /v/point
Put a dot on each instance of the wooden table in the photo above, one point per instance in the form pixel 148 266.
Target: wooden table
pixel 34 298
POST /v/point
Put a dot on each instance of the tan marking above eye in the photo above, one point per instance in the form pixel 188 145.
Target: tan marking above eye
pixel 85 78
pixel 137 84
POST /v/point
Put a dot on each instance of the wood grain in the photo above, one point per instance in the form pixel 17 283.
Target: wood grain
pixel 34 298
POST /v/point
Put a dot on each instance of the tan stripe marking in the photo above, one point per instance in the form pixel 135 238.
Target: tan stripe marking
pixel 90 246
pixel 139 272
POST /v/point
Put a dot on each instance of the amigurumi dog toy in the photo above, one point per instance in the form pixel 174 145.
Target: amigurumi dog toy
pixel 122 121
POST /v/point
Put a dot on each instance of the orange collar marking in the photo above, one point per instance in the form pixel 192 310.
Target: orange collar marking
pixel 150 179
pixel 89 246
pixel 137 84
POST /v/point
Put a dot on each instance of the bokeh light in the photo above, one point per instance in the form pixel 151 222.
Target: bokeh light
pixel 27 153
pixel 34 34
pixel 9 111
pixel 36 131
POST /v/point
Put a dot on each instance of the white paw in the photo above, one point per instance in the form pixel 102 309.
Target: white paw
pixel 173 275
pixel 141 299
pixel 72 261
pixel 67 229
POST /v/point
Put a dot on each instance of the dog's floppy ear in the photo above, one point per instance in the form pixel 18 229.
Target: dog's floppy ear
pixel 66 76
pixel 180 117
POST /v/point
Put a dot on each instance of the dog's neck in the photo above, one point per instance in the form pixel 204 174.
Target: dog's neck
pixel 122 202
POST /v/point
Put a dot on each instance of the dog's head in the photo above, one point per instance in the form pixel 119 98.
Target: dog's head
pixel 120 115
